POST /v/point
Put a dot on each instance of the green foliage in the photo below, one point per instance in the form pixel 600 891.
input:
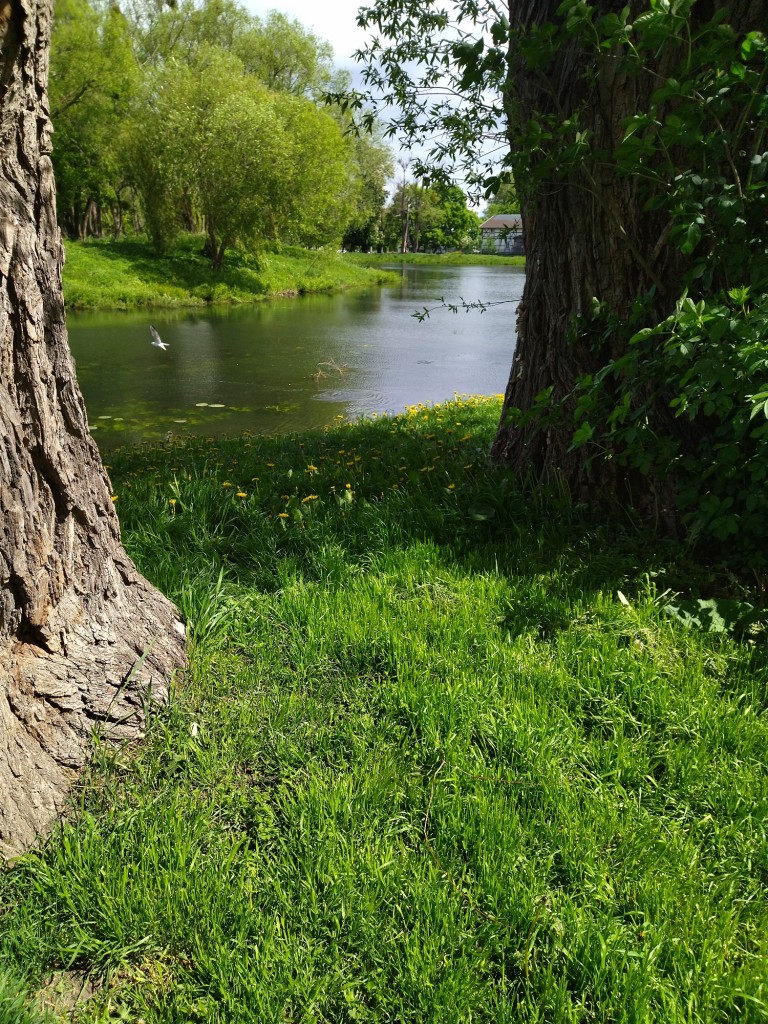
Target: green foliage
pixel 440 755
pixel 462 259
pixel 198 111
pixel 437 217
pixel 707 366
pixel 723 615
pixel 277 50
pixel 503 199
pixel 15 1007
pixel 93 84
pixel 440 77
pixel 374 166
pixel 256 164
pixel 320 185
pixel 686 399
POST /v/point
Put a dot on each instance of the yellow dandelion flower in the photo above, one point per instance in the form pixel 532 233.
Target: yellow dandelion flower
pixel 311 468
pixel 348 486
pixel 283 515
pixel 241 494
pixel 226 484
pixel 113 498
pixel 309 497
pixel 451 487
pixel 171 501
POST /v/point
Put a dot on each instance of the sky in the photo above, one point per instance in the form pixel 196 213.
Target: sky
pixel 332 20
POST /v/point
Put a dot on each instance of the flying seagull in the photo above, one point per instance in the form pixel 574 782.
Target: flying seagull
pixel 157 341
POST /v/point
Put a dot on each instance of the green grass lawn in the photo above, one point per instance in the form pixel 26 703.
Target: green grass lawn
pixel 128 274
pixel 462 259
pixel 440 756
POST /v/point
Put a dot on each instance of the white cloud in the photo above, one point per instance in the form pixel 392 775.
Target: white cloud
pixel 333 21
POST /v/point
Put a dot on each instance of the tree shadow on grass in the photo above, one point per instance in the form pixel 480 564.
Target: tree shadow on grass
pixel 382 486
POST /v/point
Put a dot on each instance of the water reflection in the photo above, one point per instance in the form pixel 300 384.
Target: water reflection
pixel 296 363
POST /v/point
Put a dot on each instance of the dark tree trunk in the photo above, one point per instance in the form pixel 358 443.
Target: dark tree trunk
pixel 75 615
pixel 117 216
pixel 187 212
pixel 96 228
pixel 587 234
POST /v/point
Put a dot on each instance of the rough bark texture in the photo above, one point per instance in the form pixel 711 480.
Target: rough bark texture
pixel 75 615
pixel 587 235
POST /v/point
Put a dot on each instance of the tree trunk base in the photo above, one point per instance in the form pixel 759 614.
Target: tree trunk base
pixel 85 641
pixel 52 704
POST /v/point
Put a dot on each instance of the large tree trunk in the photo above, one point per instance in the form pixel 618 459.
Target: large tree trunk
pixel 588 235
pixel 75 615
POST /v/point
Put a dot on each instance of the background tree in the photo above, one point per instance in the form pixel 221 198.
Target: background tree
pixel 287 57
pixel 438 218
pixel 374 166
pixel 116 77
pixel 255 164
pixel 319 187
pixel 94 82
pixel 84 638
pixel 453 225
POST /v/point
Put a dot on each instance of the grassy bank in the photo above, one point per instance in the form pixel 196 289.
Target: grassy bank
pixel 461 259
pixel 128 274
pixel 440 757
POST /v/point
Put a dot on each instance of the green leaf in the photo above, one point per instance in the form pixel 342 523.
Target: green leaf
pixel 714 615
pixel 692 238
pixel 481 513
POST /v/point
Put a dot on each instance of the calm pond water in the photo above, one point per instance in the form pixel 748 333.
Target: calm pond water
pixel 292 364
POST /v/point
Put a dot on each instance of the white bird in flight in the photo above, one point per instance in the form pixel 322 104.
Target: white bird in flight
pixel 157 341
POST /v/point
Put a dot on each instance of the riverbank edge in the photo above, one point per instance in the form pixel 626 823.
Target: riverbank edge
pixel 127 274
pixel 447 259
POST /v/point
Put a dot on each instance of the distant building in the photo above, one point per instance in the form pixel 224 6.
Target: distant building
pixel 503 234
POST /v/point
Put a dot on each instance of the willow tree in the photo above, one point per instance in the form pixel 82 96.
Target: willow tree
pixel 634 131
pixel 85 641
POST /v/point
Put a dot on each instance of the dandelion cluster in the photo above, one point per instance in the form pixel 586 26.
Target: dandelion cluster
pixel 420 451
